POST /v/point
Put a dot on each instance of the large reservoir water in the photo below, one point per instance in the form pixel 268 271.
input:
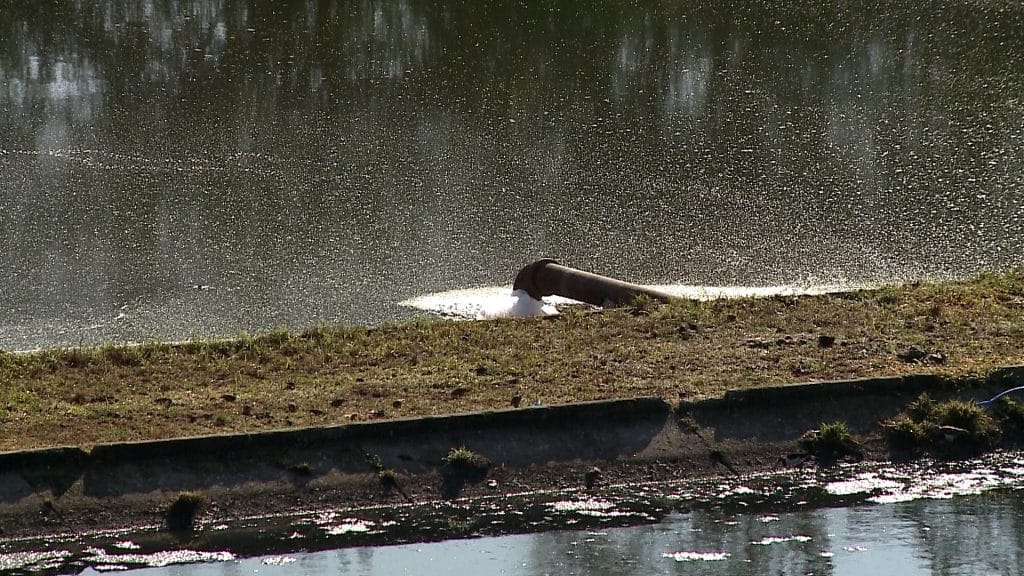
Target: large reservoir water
pixel 181 168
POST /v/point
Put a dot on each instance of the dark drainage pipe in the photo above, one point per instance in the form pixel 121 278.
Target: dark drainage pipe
pixel 546 277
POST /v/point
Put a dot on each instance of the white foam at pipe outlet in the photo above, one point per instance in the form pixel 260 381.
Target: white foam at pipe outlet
pixel 499 302
pixel 485 303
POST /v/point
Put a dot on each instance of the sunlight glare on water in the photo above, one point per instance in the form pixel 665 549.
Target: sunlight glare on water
pixel 923 517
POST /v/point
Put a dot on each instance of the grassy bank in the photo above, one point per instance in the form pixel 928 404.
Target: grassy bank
pixel 336 375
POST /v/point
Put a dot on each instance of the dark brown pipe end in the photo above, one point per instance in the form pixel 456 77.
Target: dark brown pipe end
pixel 526 279
pixel 546 277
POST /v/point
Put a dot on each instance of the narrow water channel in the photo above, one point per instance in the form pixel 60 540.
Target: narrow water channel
pixel 925 517
pixel 962 536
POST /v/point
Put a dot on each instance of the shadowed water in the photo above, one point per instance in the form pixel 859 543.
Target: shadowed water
pixel 918 518
pixel 171 169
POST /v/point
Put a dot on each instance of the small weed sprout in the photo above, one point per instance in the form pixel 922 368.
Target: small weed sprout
pixel 642 305
pixel 78 357
pixel 301 469
pixel 389 480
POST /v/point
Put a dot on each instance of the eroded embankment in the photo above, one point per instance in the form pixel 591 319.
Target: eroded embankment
pixel 583 446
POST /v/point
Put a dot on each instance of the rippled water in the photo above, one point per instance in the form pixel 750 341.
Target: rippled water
pixel 175 169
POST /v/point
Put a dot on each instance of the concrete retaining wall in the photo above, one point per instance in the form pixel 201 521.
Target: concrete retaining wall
pixel 590 431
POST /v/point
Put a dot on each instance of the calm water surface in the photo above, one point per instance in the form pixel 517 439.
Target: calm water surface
pixel 173 168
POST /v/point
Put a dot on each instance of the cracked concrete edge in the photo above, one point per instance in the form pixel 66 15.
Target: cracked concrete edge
pixel 577 415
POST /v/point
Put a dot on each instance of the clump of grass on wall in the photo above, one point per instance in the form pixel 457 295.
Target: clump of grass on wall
pixel 953 428
pixel 830 443
pixel 181 514
pixel 1010 415
pixel 465 460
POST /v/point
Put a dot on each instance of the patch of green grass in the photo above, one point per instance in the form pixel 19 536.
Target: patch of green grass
pixel 1009 414
pixel 80 357
pixel 124 355
pixel 389 481
pixel 968 416
pixel 831 442
pixel 959 414
pixel 388 478
pixel 953 428
pixel 643 305
pixel 834 434
pixel 181 514
pixel 921 409
pixel 904 435
pixel 465 459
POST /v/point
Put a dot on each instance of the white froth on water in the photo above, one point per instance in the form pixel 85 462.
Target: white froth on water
pixel 501 302
pixel 485 303
pixel 107 562
pixel 688 556
pixel 769 540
